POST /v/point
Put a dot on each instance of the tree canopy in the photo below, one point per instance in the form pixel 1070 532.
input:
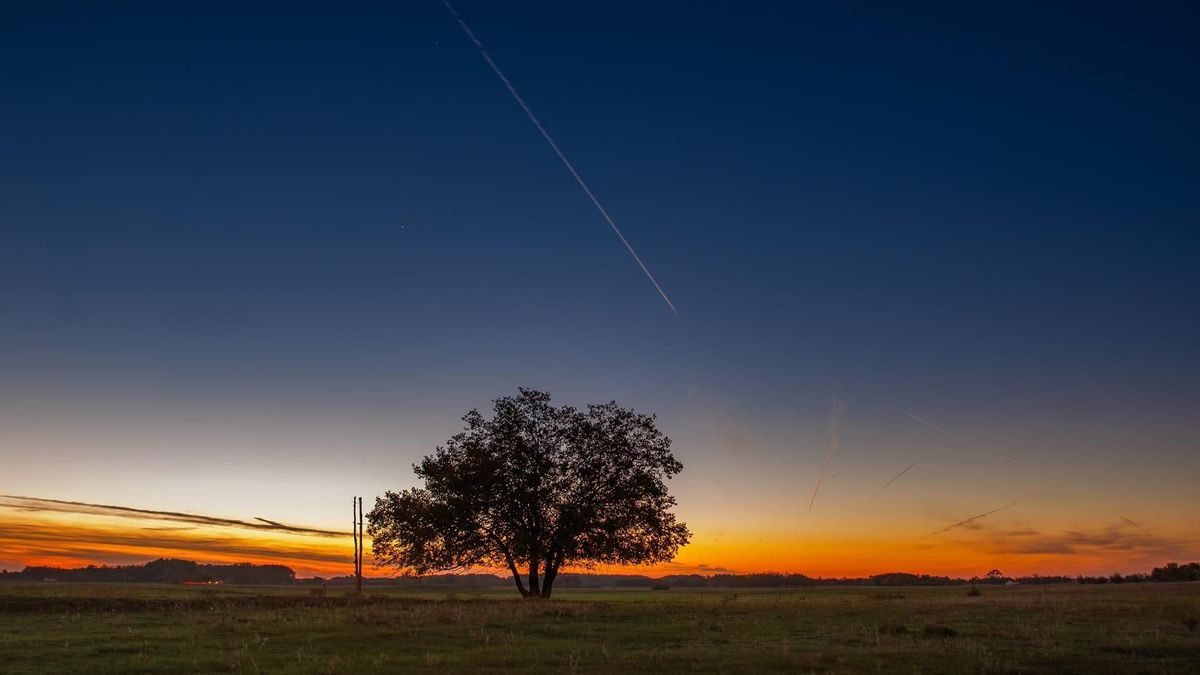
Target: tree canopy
pixel 536 488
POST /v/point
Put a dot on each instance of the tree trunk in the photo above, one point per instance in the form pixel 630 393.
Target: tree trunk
pixel 520 586
pixel 512 567
pixel 548 581
pixel 534 587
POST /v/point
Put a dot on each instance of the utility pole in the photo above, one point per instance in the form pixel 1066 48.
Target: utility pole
pixel 358 580
pixel 355 510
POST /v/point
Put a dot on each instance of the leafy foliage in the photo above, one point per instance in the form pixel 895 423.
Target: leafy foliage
pixel 537 487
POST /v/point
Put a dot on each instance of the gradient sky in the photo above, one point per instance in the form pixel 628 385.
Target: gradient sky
pixel 257 259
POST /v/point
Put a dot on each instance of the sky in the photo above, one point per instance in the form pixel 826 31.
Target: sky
pixel 256 259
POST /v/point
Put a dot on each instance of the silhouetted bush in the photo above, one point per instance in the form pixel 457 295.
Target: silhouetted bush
pixel 938 631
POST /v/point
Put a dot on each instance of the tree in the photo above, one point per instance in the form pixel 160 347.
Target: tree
pixel 1176 572
pixel 536 488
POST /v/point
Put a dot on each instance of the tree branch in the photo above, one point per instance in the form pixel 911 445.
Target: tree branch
pixel 512 565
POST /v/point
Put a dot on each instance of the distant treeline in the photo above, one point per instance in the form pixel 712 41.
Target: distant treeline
pixel 166 571
pixel 1168 572
pixel 762 580
pixel 779 580
pixel 162 571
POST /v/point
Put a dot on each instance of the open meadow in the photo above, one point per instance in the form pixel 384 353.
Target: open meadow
pixel 62 628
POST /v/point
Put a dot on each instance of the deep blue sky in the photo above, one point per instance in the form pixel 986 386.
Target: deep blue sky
pixel 984 214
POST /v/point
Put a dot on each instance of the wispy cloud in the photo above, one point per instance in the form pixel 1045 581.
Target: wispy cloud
pixel 929 424
pixel 674 567
pixel 835 423
pixel 38 504
pixel 1024 532
pixel 39 531
pixel 35 540
pixel 1123 537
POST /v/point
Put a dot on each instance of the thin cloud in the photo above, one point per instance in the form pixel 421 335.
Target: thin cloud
pixel 1122 537
pixel 1043 548
pixel 34 504
pixel 835 423
pixel 929 424
pixel 674 567
pixel 27 540
pixel 1027 532
pixel 716 569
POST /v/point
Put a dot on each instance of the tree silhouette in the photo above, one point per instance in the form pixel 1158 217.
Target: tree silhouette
pixel 536 487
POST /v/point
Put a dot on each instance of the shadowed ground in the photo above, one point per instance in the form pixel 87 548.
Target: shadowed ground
pixel 96 629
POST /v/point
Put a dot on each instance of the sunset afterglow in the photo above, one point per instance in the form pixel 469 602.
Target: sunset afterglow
pixel 906 292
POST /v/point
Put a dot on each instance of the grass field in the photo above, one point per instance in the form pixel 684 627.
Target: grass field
pixel 1136 628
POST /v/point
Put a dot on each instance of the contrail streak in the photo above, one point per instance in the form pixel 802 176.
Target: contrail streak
pixel 554 146
pixel 970 520
pixel 960 523
pixel 929 424
pixel 1134 524
pixel 893 480
pixel 835 422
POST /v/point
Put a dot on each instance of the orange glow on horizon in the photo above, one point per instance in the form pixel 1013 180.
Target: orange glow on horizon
pixel 34 538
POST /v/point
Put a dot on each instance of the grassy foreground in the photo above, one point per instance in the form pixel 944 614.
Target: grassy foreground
pixel 1144 628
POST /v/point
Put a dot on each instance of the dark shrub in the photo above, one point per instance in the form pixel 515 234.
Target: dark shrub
pixel 934 630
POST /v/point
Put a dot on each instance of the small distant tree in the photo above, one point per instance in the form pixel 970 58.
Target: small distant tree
pixel 535 488
pixel 994 577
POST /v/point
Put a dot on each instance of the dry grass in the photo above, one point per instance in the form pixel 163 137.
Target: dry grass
pixel 97 629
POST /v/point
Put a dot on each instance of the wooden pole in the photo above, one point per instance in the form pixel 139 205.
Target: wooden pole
pixel 360 545
pixel 354 530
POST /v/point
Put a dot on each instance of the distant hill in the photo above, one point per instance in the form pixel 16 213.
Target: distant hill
pixel 161 571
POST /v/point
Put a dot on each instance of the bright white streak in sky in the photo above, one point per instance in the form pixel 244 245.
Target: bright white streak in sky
pixel 554 146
